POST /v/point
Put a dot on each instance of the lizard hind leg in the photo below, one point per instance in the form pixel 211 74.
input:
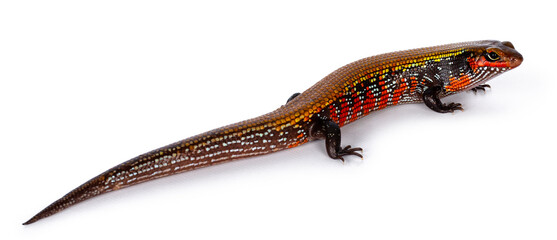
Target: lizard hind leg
pixel 328 129
pixel 292 97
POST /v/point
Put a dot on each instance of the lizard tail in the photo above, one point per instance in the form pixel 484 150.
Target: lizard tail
pixel 213 147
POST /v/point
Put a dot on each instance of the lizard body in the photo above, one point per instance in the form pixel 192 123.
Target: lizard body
pixel 347 94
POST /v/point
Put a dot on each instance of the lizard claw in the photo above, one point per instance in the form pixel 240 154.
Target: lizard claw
pixel 481 87
pixel 348 150
pixel 451 107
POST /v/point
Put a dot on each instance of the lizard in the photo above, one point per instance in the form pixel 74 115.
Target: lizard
pixel 344 96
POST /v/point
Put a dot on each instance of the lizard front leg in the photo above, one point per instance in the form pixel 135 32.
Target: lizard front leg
pixel 431 99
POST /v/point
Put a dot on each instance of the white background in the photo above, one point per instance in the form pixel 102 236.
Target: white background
pixel 86 85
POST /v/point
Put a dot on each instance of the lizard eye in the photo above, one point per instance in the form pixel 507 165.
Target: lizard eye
pixel 492 56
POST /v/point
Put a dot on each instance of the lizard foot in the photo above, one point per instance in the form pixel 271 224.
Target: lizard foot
pixel 480 88
pixel 348 150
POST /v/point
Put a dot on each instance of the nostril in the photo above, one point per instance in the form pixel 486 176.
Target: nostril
pixel 515 61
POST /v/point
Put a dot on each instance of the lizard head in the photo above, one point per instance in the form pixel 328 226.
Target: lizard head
pixel 486 60
pixel 496 55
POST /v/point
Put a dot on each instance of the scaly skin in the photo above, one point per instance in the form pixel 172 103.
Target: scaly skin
pixel 347 94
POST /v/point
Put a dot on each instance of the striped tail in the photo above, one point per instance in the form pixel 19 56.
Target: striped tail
pixel 245 139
